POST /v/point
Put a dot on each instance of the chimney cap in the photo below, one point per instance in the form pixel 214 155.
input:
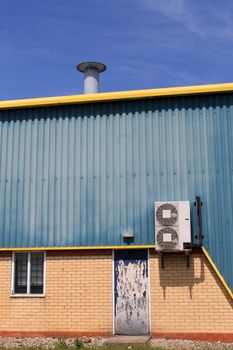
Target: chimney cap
pixel 86 66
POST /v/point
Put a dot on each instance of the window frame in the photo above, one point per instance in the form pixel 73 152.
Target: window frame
pixel 28 294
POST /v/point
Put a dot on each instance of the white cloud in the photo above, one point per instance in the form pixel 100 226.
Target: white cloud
pixel 205 18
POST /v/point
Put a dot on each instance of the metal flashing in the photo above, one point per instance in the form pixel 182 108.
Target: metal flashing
pixel 217 272
pixel 115 96
pixel 26 249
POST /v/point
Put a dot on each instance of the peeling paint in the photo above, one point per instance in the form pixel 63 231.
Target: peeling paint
pixel 131 293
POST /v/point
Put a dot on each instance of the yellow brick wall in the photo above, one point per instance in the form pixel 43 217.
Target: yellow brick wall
pixel 188 300
pixel 79 296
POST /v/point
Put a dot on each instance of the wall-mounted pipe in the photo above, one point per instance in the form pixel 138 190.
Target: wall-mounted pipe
pixel 198 205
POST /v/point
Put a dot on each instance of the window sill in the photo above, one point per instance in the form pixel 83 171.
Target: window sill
pixel 27 295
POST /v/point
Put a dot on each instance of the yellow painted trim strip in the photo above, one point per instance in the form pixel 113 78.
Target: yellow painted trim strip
pixel 78 248
pixel 114 96
pixel 217 271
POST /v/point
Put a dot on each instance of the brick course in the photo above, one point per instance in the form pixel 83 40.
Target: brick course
pixel 188 300
pixel 79 296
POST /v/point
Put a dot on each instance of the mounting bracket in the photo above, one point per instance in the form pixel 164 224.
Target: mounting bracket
pixel 161 255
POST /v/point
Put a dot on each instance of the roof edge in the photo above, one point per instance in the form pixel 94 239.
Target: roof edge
pixel 116 96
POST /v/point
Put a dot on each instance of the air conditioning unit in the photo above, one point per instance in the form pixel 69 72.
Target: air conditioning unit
pixel 172 225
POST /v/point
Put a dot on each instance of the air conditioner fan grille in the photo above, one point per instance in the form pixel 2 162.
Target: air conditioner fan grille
pixel 168 221
pixel 174 238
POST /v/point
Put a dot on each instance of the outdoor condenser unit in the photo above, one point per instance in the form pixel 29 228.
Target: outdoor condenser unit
pixel 172 225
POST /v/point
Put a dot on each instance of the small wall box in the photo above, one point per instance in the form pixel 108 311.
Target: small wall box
pixel 127 234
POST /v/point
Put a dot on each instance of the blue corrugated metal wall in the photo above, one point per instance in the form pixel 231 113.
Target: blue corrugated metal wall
pixel 82 174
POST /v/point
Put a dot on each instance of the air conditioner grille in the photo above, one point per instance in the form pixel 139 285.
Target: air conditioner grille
pixel 167 238
pixel 171 218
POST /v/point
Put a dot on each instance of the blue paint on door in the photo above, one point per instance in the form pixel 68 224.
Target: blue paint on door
pixel 131 292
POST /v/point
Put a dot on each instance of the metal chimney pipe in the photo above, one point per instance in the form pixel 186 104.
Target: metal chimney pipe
pixel 91 72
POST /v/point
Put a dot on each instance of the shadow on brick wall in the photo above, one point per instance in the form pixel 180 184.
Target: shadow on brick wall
pixel 176 273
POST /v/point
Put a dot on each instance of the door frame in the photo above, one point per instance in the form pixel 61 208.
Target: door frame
pixel 113 289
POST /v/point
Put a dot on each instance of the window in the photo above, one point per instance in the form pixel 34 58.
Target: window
pixel 28 271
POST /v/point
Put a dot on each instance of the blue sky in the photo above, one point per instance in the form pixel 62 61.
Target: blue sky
pixel 144 43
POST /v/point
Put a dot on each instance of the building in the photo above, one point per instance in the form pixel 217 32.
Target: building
pixel 78 174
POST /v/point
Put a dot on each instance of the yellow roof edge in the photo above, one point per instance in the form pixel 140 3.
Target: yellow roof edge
pixel 13 249
pixel 115 96
pixel 228 289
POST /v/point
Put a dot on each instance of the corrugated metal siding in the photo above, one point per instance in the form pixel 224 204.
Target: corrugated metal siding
pixel 82 174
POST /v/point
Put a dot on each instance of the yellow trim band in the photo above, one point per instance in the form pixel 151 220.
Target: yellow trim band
pixel 217 271
pixel 121 247
pixel 78 248
pixel 114 96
